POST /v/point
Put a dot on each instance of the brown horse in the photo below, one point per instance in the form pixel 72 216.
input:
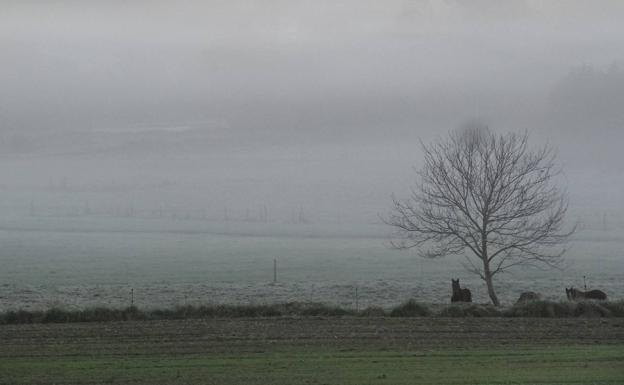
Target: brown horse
pixel 528 296
pixel 578 295
pixel 459 294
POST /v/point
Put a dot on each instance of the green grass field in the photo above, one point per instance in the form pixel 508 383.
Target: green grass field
pixel 316 350
pixel 557 365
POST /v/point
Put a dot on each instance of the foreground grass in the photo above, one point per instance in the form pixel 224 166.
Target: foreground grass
pixel 318 365
pixel 316 350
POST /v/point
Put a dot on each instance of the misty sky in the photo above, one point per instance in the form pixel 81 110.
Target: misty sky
pixel 90 64
pixel 330 94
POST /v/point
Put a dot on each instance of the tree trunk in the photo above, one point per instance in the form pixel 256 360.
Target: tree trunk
pixel 486 266
pixel 491 292
pixel 488 281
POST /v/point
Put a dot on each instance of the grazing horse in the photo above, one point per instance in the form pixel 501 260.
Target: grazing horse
pixel 576 295
pixel 528 296
pixel 459 294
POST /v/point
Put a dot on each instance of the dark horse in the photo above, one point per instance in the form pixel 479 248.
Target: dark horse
pixel 528 296
pixel 459 294
pixel 576 295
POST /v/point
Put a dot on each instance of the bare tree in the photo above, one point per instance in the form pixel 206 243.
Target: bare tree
pixel 488 197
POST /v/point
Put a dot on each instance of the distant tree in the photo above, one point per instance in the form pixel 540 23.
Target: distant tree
pixel 488 197
pixel 589 95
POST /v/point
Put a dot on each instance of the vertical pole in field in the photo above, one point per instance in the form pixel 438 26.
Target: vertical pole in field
pixel 274 270
pixel 584 284
pixel 132 297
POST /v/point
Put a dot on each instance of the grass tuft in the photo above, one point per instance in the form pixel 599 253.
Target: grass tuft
pixel 544 309
pixel 591 309
pixel 373 311
pixel 551 309
pixel 470 310
pixel 410 308
pixel 615 307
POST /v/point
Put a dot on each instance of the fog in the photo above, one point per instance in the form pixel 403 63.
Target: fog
pixel 287 111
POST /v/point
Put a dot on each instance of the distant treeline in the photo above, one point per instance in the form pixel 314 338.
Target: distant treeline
pixel 257 213
pixel 596 219
pixel 545 309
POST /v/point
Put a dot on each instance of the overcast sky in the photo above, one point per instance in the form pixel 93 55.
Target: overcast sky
pixel 110 64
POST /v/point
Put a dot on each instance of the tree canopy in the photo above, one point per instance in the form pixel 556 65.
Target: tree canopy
pixel 488 197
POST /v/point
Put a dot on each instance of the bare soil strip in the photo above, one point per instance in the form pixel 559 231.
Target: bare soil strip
pixel 250 334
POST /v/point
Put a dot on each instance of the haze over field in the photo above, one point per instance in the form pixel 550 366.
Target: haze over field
pixel 141 115
pixel 293 104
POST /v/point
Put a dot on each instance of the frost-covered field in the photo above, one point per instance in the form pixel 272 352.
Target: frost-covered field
pixel 77 262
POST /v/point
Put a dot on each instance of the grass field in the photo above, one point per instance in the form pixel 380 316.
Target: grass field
pixel 569 365
pixel 98 262
pixel 316 351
